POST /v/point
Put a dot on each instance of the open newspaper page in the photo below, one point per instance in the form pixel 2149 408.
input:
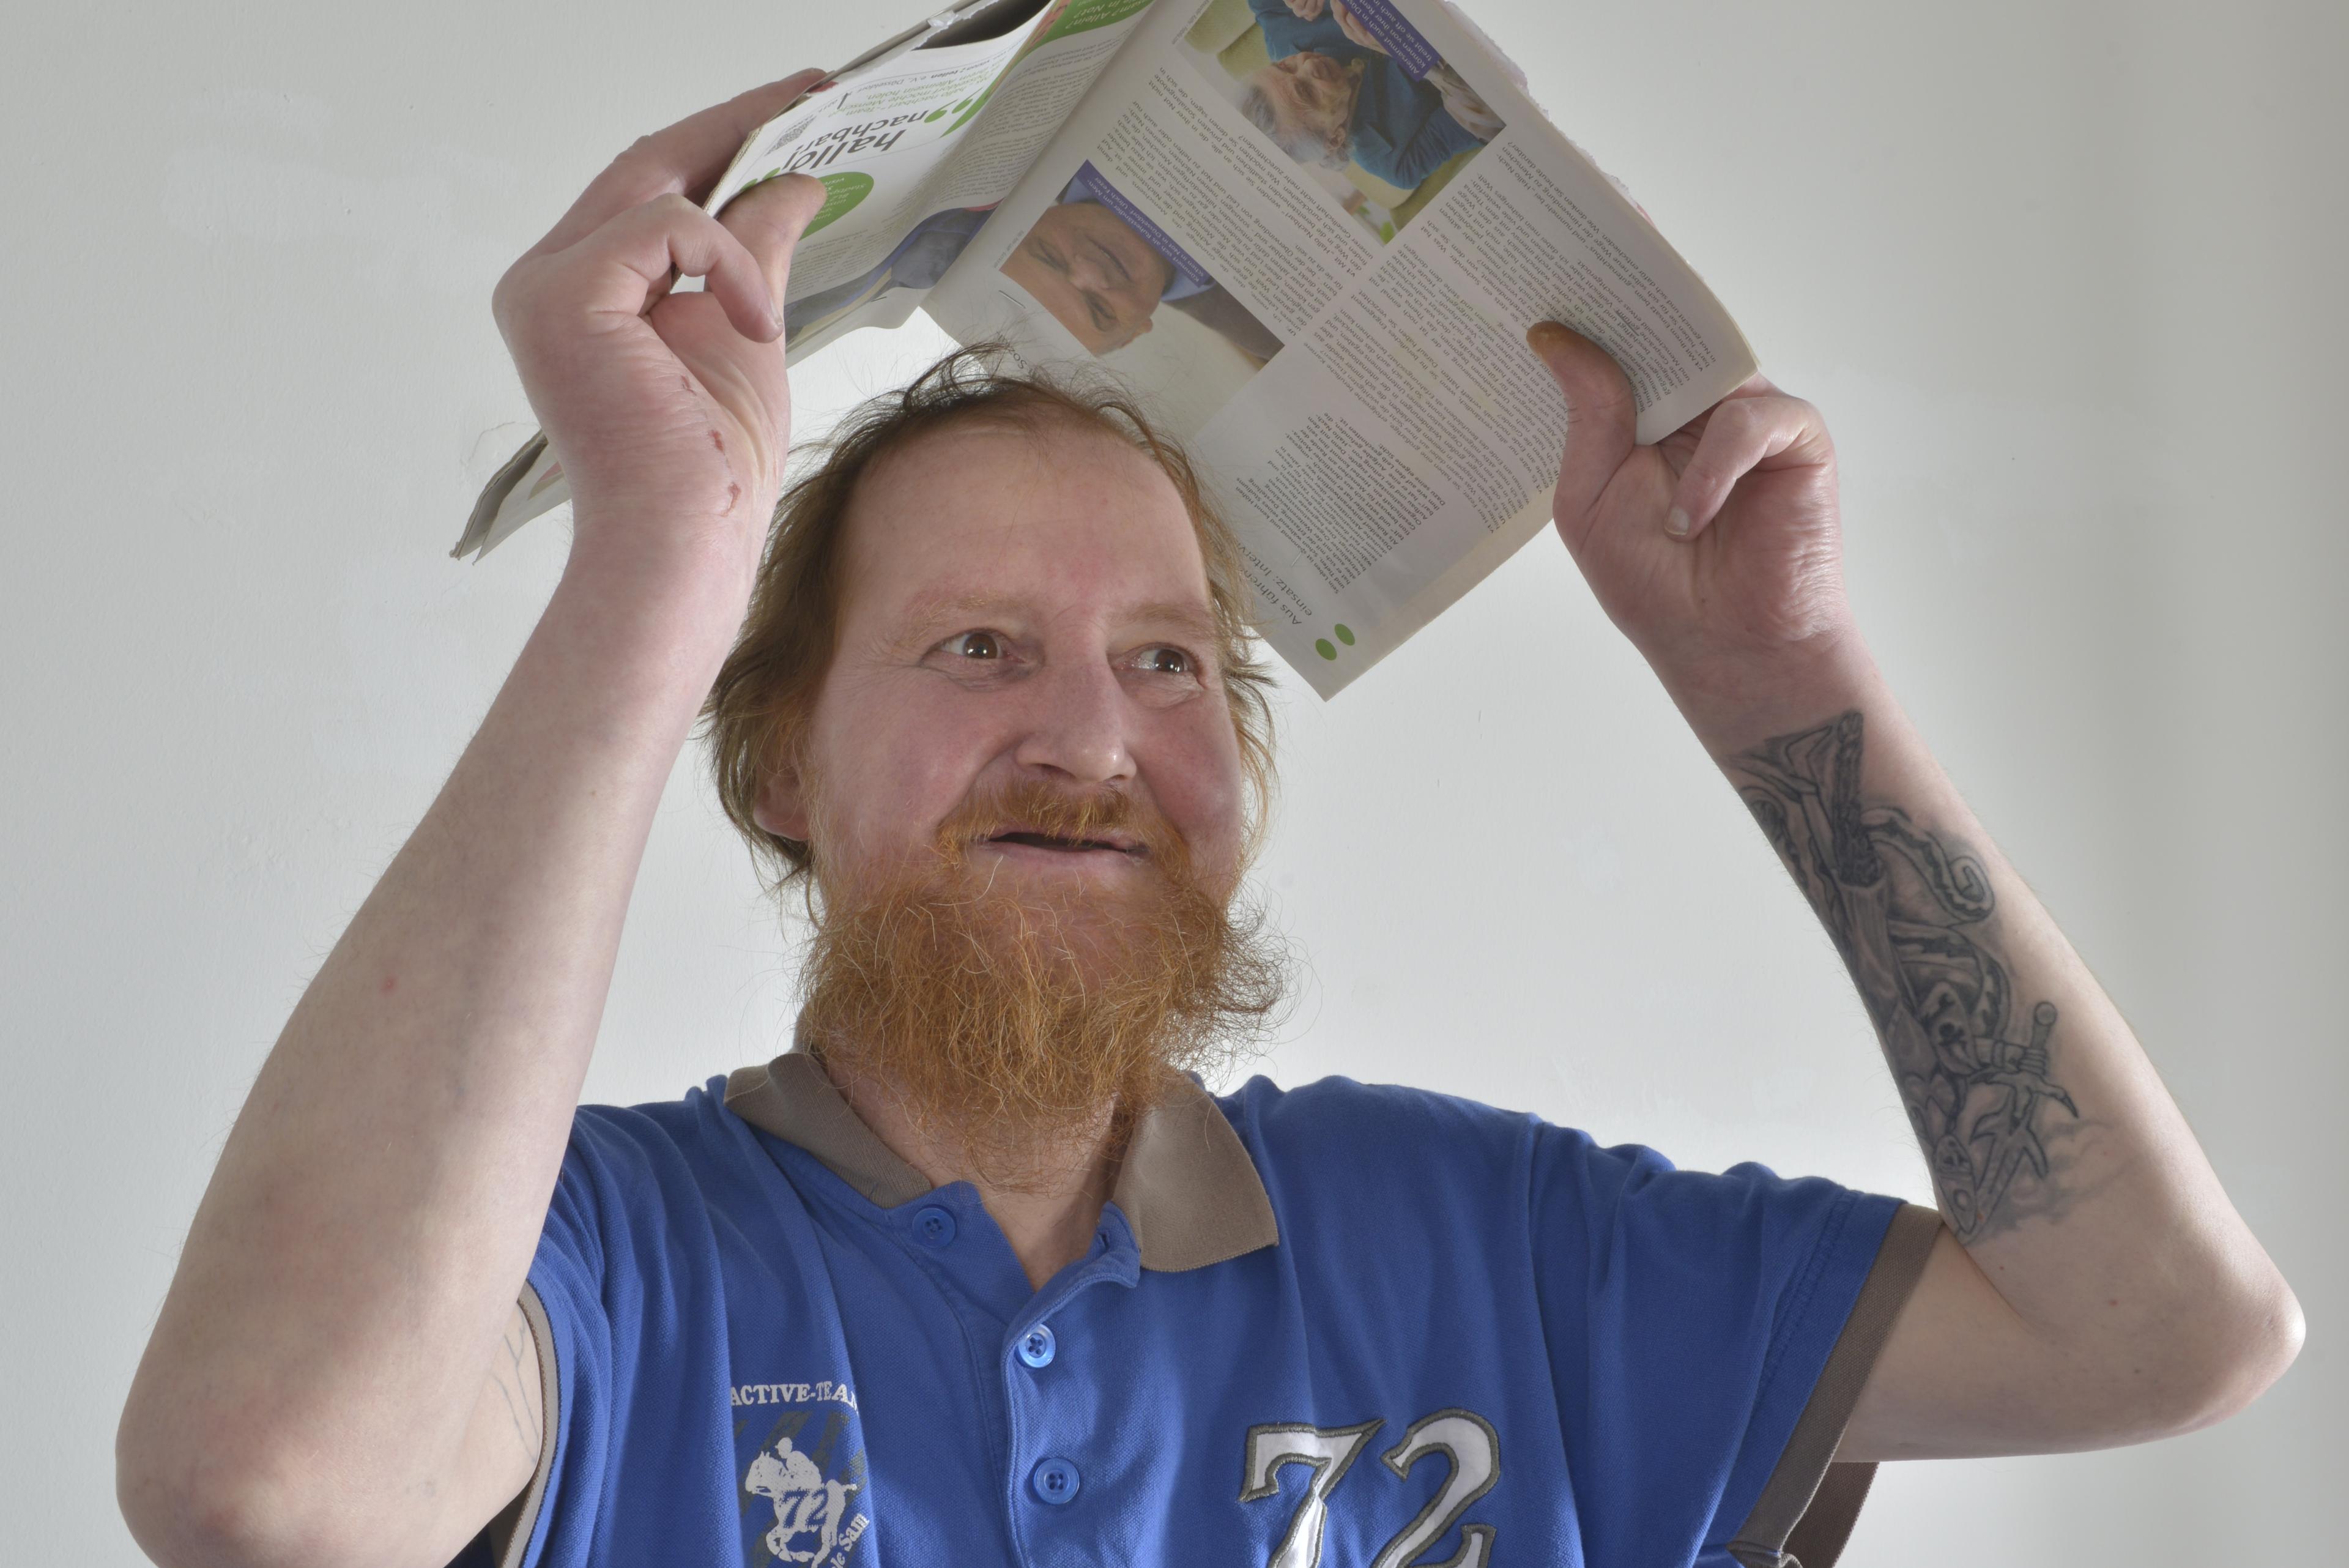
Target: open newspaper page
pixel 915 145
pixel 1314 244
pixel 915 154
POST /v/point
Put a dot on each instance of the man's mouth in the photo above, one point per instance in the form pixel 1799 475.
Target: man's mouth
pixel 1064 845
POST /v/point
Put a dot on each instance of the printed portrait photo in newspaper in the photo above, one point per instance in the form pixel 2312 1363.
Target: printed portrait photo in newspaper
pixel 1351 92
pixel 1102 268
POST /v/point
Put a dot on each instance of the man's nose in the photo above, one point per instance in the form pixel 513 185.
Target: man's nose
pixel 1077 724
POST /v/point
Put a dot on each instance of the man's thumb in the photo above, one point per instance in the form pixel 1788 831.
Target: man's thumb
pixel 1600 414
pixel 769 219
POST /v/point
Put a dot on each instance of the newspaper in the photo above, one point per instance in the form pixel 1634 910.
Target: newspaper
pixel 1313 243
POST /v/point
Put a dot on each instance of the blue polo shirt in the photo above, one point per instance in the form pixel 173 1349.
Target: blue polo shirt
pixel 1341 1325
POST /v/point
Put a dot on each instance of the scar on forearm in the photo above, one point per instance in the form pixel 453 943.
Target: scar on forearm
pixel 1910 909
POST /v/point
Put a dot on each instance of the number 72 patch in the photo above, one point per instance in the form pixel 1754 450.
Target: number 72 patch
pixel 1464 1439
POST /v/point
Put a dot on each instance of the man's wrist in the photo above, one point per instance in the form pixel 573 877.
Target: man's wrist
pixel 1735 705
pixel 666 556
pixel 680 609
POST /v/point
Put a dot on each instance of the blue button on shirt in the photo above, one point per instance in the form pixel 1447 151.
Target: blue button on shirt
pixel 1055 1481
pixel 935 1226
pixel 1388 1322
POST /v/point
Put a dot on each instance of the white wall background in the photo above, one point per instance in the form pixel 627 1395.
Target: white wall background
pixel 2065 278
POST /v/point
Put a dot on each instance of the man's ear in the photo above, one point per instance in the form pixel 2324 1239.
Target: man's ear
pixel 781 806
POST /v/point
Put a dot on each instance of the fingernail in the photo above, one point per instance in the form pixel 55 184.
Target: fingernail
pixel 1676 522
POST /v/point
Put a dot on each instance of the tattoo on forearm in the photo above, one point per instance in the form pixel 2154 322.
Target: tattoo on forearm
pixel 1908 909
pixel 516 1373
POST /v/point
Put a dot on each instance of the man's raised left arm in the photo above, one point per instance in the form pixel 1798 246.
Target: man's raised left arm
pixel 2092 1285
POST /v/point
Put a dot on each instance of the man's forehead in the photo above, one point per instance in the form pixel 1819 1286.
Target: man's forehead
pixel 1029 457
pixel 1008 518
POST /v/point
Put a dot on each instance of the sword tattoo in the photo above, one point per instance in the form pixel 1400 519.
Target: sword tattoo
pixel 1908 910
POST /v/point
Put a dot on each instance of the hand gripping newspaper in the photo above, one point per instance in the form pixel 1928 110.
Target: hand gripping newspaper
pixel 1311 235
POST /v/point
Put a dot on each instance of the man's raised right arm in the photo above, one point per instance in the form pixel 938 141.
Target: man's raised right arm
pixel 339 1372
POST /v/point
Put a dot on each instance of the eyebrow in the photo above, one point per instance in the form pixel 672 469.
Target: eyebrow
pixel 927 610
pixel 1112 258
pixel 1192 620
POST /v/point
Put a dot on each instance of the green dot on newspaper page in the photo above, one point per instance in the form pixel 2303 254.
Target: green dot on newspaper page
pixel 841 194
pixel 1322 646
pixel 1345 633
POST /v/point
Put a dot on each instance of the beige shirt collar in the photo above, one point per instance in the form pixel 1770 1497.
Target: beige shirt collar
pixel 1187 1186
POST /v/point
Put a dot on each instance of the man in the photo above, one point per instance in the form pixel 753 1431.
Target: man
pixel 1105 279
pixel 977 1274
pixel 1333 95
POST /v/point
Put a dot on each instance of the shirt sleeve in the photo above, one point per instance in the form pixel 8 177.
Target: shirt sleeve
pixel 625 1303
pixel 563 1300
pixel 1432 143
pixel 1707 1343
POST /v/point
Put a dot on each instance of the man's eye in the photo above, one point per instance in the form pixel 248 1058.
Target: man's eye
pixel 975 645
pixel 1166 661
pixel 1112 262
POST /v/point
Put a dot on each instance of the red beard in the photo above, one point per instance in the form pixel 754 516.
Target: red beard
pixel 1009 1021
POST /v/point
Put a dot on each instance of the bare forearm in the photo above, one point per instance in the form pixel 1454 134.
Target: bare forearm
pixel 2093 1285
pixel 2057 1156
pixel 359 1249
